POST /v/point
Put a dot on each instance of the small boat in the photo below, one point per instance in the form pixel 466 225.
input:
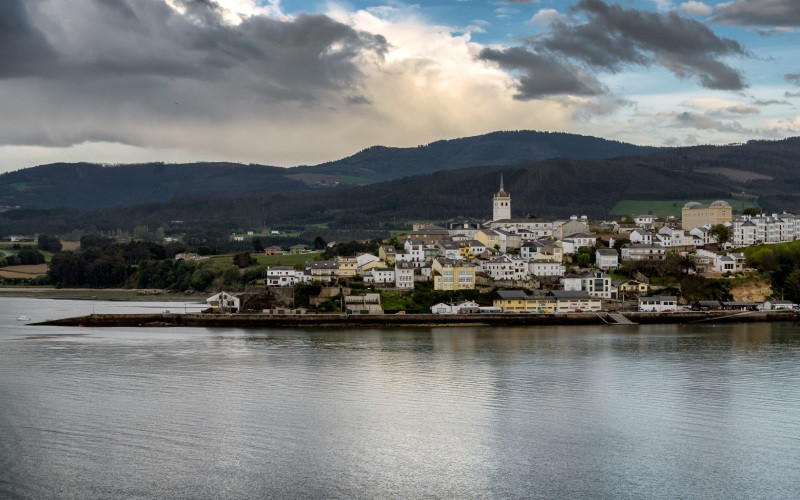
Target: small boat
pixel 23 318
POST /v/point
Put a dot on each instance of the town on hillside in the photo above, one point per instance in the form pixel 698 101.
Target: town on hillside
pixel 548 266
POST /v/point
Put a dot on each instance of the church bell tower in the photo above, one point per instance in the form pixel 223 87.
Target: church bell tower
pixel 501 203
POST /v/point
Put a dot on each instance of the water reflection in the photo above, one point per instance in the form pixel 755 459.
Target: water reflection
pixel 616 412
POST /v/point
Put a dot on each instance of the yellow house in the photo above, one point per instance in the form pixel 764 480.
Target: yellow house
pixel 517 301
pixel 575 301
pixel 632 286
pixel 388 254
pixel 549 252
pixel 471 249
pixel 465 250
pixel 348 266
pixel 450 274
pixel 488 237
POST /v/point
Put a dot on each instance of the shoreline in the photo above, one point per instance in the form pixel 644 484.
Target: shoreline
pixel 412 320
pixel 109 294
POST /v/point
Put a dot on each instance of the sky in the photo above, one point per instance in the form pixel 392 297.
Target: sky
pixel 287 82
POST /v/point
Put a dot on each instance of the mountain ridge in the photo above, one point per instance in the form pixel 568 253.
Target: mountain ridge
pixel 67 184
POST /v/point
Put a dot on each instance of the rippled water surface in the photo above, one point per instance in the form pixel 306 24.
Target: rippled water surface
pixel 706 411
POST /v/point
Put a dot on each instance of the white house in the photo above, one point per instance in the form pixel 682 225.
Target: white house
pixel 606 258
pixel 414 253
pixel 546 268
pixel 638 251
pixel 283 276
pixel 448 250
pixel 325 271
pixel 380 276
pixel 404 275
pixel 731 262
pixel 441 308
pixel 572 282
pixel 506 267
pixel 646 221
pixel 662 303
pixel 671 237
pixel 223 302
pixel 582 240
pixel 641 236
pixel 702 236
pixel 527 249
pixel 598 284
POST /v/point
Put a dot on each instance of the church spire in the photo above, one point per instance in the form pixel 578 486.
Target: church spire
pixel 502 191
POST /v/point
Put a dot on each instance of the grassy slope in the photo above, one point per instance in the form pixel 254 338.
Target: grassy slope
pixel 265 260
pixel 661 208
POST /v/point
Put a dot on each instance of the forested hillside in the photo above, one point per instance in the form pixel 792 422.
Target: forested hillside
pixel 497 148
pixel 554 188
pixel 765 172
pixel 86 186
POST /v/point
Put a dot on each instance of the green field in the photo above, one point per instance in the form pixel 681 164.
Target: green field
pixel 664 208
pixel 355 180
pixel 264 260
pixel 8 248
pixel 285 260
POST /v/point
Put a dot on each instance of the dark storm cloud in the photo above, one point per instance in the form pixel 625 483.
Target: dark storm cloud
pixel 297 59
pixel 541 75
pixel 613 38
pixel 113 70
pixel 22 47
pixel 783 13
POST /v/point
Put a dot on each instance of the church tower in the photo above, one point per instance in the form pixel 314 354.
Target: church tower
pixel 501 203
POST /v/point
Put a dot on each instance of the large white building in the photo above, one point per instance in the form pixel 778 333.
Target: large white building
pixel 506 267
pixel 775 228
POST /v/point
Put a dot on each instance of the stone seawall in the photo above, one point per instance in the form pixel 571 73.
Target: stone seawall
pixel 408 320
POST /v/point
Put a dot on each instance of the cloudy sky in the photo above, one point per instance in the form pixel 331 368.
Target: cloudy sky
pixel 288 82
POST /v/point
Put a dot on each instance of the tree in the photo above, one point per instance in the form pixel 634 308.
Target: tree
pixel 752 211
pixel 791 287
pixel 319 243
pixel 258 247
pixel 583 257
pixel 721 233
pixel 620 242
pixel 48 243
pixel 94 240
pixel 243 259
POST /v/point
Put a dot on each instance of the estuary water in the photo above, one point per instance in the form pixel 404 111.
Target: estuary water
pixel 703 411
